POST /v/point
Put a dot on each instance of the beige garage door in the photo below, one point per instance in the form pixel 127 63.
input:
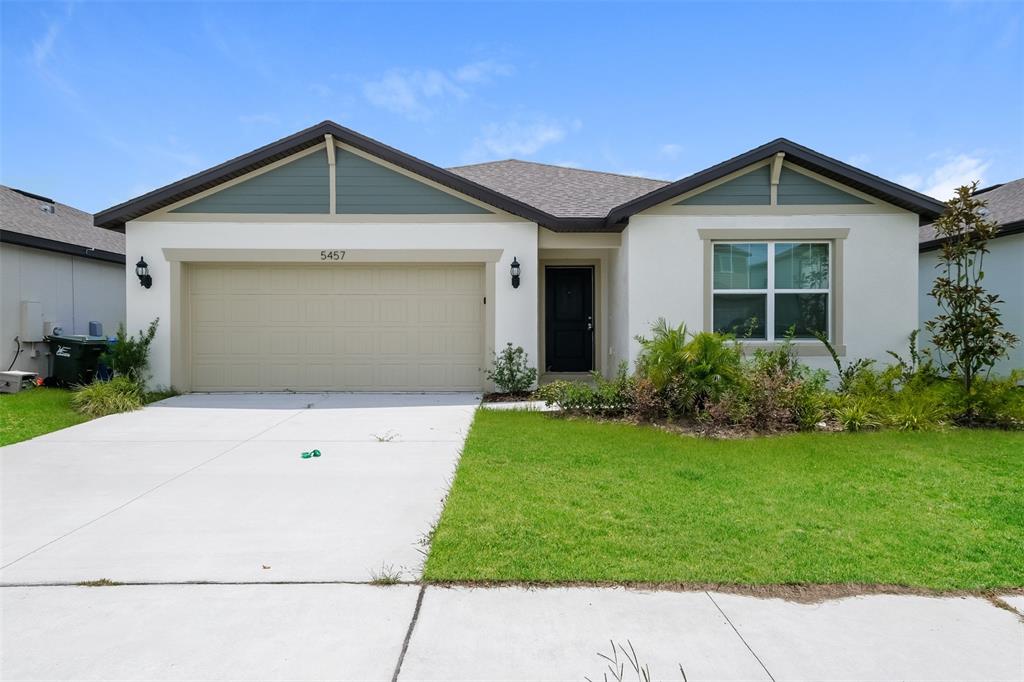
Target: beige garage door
pixel 336 326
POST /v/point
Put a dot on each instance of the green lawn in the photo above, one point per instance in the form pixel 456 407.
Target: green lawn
pixel 547 499
pixel 37 411
pixel 34 412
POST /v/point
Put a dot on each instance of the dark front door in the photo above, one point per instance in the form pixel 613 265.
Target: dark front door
pixel 569 319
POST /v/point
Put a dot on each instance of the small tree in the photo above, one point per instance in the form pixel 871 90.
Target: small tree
pixel 969 326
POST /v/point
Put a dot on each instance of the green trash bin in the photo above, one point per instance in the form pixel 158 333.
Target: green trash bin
pixel 74 357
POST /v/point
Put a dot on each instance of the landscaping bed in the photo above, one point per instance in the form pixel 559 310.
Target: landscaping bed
pixel 540 498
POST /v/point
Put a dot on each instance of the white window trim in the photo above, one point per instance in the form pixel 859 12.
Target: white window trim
pixel 771 290
pixel 835 237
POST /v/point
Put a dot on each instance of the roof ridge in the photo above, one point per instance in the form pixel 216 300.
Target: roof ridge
pixel 555 165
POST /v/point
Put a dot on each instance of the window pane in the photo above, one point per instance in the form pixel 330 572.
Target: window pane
pixel 741 266
pixel 801 266
pixel 741 314
pixel 806 312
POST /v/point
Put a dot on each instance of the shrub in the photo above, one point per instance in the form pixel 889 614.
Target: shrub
pixel 775 392
pixel 996 401
pixel 129 357
pixel 857 415
pixel 511 372
pixel 662 357
pixel 607 397
pixel 646 403
pixel 848 374
pixel 100 398
pixel 688 371
pixel 917 410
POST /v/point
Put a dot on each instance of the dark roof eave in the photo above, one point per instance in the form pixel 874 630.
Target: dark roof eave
pixel 1016 227
pixel 114 218
pixel 34 242
pixel 927 208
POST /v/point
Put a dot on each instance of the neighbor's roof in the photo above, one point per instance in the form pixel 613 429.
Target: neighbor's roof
pixel 559 190
pixel 561 199
pixel 1005 204
pixel 29 219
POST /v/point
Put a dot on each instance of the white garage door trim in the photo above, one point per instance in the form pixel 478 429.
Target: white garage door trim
pixel 348 327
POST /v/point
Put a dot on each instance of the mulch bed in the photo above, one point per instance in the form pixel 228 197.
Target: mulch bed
pixel 507 397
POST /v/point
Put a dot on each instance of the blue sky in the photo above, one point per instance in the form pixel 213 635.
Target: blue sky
pixel 104 101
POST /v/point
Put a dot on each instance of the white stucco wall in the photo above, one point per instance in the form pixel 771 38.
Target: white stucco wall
pixel 666 274
pixel 618 313
pixel 514 311
pixel 1004 275
pixel 72 290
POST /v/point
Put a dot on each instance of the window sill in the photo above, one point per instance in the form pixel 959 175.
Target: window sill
pixel 802 348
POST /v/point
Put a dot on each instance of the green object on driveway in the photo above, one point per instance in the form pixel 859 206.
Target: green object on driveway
pixel 311 453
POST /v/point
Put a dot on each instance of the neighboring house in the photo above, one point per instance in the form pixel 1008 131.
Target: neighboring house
pixel 56 268
pixel 328 260
pixel 1003 265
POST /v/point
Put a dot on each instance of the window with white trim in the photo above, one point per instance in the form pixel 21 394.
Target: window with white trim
pixel 762 289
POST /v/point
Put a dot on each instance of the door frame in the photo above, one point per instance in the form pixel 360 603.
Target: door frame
pixel 596 303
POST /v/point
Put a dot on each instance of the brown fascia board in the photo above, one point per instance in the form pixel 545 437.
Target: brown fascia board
pixel 925 207
pixel 1016 227
pixel 114 218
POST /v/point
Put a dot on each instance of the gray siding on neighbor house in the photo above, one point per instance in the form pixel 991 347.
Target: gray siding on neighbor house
pixel 301 186
pixel 752 189
pixel 367 187
pixel 797 188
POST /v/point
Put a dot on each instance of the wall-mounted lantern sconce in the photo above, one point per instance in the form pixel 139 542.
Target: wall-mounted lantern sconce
pixel 142 271
pixel 515 273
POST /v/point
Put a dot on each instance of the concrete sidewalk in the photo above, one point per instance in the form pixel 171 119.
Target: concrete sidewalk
pixel 342 632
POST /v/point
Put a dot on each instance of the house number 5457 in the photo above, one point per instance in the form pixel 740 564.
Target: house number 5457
pixel 332 254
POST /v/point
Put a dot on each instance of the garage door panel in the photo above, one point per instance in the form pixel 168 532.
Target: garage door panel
pixel 344 327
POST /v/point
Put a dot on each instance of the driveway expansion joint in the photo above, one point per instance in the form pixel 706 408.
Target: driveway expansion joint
pixel 745 643
pixel 408 633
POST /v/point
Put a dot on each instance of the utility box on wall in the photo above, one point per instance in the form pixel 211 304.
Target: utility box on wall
pixel 31 322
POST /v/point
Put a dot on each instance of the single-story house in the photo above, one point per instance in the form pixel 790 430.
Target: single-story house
pixel 56 270
pixel 327 260
pixel 1003 265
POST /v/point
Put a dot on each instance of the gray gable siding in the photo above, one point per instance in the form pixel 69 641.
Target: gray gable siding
pixel 367 187
pixel 301 186
pixel 754 189
pixel 797 188
pixel 751 189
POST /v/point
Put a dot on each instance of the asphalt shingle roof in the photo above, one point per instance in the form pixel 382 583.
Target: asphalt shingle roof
pixel 1005 204
pixel 560 191
pixel 27 215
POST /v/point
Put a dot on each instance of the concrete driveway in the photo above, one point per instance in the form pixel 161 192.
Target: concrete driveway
pixel 212 488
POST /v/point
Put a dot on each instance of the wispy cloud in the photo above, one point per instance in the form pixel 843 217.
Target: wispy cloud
pixel 416 93
pixel 952 171
pixel 670 151
pixel 408 92
pixel 519 138
pixel 44 52
pixel 482 72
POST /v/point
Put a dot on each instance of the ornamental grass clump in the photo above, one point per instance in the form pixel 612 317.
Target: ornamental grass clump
pixel 100 398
